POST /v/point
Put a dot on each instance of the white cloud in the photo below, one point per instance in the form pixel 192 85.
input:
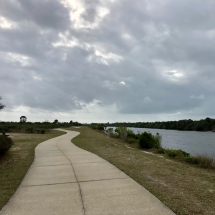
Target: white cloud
pixel 102 12
pixel 80 9
pixel 6 24
pixel 9 58
pixel 122 83
pixel 104 58
pixel 174 74
pixel 65 41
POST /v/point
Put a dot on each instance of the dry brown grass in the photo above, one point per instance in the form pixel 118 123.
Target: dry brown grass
pixel 205 161
pixel 16 162
pixel 184 188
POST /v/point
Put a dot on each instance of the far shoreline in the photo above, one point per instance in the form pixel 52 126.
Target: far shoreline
pixel 161 129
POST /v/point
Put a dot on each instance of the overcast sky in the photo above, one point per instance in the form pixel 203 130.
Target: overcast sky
pixel 107 60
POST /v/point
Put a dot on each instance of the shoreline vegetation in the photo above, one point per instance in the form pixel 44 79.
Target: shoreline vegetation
pixel 184 188
pixel 207 124
pixel 151 142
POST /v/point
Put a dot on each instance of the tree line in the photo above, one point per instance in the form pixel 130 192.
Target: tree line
pixel 34 126
pixel 207 124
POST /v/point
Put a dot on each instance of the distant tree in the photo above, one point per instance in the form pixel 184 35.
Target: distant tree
pixel 1 105
pixel 56 121
pixel 71 122
pixel 208 120
pixel 23 119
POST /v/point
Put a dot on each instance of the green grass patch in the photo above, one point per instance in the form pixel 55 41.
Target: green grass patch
pixel 186 189
pixel 15 163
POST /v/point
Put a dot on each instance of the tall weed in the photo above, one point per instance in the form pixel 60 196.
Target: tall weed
pixel 122 132
pixel 205 161
pixel 157 140
pixel 109 131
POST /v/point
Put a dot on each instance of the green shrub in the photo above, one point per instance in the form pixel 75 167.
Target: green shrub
pixel 122 132
pixel 131 134
pixel 132 140
pixel 182 153
pixel 138 135
pixel 43 131
pixel 100 128
pixel 191 160
pixel 94 127
pixel 5 143
pixel 157 140
pixel 30 130
pixel 146 140
pixel 109 131
pixel 161 151
pixel 172 153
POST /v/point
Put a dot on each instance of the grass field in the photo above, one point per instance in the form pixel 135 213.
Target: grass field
pixel 184 188
pixel 16 162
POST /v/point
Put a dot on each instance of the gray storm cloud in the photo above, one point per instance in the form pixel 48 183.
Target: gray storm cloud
pixel 148 57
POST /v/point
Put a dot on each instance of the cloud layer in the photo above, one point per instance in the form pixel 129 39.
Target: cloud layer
pixel 149 60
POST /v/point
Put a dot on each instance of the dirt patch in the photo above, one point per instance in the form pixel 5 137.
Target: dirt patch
pixel 15 148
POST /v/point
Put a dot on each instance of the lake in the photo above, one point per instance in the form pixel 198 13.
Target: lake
pixel 192 142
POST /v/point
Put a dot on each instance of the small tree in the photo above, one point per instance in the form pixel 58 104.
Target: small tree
pixel 23 119
pixel 100 128
pixel 56 121
pixel 122 131
pixel 1 105
pixel 109 131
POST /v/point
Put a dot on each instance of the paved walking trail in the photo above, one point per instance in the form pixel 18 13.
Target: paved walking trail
pixel 67 180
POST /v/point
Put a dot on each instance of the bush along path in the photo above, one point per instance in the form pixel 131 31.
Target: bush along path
pixel 186 189
pixel 5 144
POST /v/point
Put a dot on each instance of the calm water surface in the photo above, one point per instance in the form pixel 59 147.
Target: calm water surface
pixel 192 142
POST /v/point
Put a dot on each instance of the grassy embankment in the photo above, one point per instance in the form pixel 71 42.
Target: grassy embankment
pixel 15 163
pixel 184 188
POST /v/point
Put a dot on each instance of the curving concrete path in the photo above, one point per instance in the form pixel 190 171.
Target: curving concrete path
pixel 67 180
